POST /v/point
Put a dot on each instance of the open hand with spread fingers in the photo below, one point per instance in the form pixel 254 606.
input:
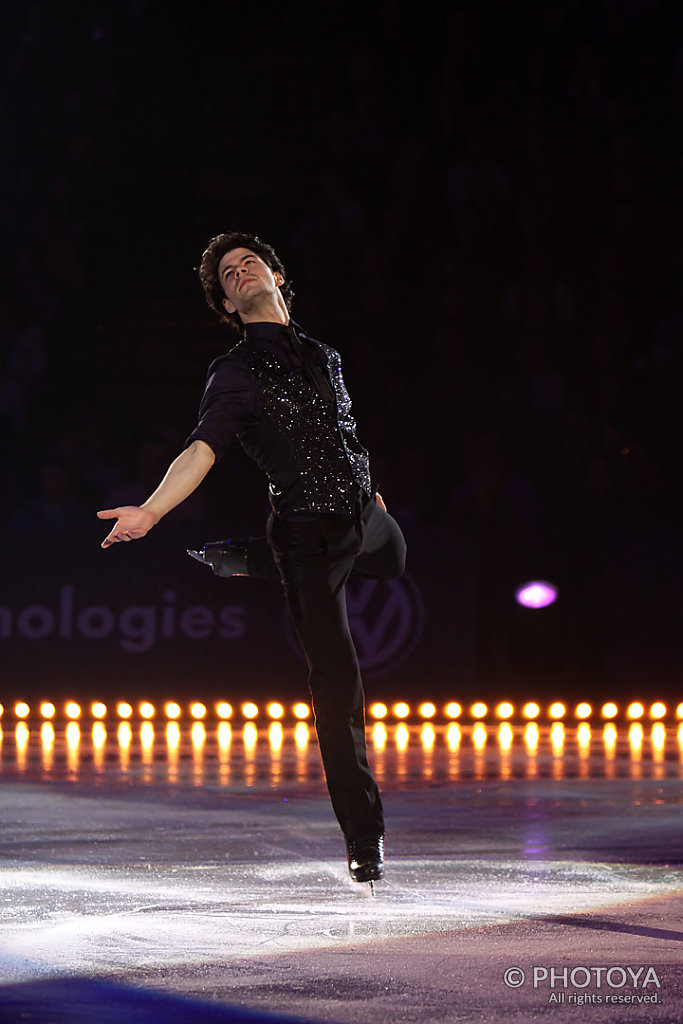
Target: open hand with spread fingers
pixel 132 523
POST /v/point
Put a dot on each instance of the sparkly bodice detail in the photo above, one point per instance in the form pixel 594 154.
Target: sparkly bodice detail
pixel 307 447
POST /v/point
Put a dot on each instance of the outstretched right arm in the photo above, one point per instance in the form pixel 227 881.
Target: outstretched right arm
pixel 184 475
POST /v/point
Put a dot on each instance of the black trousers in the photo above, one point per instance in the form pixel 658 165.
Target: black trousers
pixel 314 558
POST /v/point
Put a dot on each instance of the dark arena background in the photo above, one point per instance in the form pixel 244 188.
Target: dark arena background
pixel 480 205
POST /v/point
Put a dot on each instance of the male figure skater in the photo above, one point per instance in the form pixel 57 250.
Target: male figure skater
pixel 282 394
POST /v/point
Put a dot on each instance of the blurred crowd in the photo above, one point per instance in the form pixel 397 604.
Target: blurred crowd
pixel 480 207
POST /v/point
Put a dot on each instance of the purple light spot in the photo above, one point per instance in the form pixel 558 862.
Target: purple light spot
pixel 536 594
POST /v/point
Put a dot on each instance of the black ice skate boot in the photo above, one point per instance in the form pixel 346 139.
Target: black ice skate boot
pixel 226 557
pixel 366 859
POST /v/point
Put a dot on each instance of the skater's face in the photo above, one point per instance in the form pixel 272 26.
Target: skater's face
pixel 246 280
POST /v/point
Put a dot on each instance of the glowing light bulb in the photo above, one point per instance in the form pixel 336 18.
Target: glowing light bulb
pixel 301 711
pixel 124 710
pixel 658 710
pixel 635 710
pixel 401 710
pixel 427 710
pixel 479 710
pixel 536 594
pixel 47 710
pixel 275 710
pixel 378 710
pixel 608 710
pixel 22 710
pixel 531 709
pixel 557 710
pixel 453 709
pixel 147 710
pixel 198 710
pixel 250 710
pixel 223 709
pixel 583 710
pixel 172 709
pixel 98 709
pixel 505 709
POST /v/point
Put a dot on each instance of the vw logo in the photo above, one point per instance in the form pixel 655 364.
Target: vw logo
pixel 386 619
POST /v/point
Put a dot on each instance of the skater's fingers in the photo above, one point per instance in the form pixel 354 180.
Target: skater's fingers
pixel 110 539
pixel 117 536
pixel 131 523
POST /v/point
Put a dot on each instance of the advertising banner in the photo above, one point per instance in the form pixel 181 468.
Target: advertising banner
pixel 143 617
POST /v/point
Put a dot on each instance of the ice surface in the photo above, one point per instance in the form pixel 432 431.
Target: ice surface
pixel 239 893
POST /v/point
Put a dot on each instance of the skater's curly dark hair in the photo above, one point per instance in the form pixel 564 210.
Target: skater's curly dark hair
pixel 208 271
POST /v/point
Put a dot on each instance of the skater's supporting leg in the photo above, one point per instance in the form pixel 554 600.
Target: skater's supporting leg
pixel 315 559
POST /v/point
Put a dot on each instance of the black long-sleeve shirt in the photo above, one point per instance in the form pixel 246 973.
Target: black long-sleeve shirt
pixel 282 394
pixel 233 399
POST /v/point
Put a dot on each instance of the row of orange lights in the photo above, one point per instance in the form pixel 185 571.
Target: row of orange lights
pixel 171 710
pixel 380 735
pixel 378 711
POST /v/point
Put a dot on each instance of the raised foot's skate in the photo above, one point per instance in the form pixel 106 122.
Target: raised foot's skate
pixel 366 859
pixel 226 557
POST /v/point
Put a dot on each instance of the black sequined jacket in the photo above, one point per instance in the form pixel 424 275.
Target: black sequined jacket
pixel 260 393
